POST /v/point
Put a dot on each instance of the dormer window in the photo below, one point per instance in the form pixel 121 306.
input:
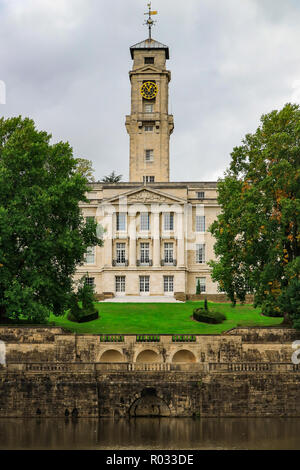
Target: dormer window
pixel 149 60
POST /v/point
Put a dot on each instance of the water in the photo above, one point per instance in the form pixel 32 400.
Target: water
pixel 148 433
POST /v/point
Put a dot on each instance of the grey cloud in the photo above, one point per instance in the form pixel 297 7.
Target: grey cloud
pixel 65 64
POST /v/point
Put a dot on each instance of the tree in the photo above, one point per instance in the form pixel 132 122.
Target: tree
pixel 112 178
pixel 85 168
pixel 257 233
pixel 43 236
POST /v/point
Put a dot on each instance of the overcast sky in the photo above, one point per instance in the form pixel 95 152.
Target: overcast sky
pixel 65 64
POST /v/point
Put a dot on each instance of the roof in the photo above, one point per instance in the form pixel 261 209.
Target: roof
pixel 149 44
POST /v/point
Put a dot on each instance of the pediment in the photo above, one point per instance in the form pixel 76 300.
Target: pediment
pixel 148 69
pixel 146 196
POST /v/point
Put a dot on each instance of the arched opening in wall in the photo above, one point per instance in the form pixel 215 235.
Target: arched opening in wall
pixel 149 405
pixel 184 356
pixel 112 356
pixel 148 356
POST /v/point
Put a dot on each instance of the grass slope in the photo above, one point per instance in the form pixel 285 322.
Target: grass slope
pixel 159 318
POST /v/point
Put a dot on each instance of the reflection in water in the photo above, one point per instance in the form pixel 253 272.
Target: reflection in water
pixel 151 433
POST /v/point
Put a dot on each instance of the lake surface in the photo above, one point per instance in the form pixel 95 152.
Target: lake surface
pixel 150 433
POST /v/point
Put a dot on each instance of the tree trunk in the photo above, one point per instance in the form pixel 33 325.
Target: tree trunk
pixel 287 320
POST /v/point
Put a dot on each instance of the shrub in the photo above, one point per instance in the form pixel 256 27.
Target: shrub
pixel 208 316
pixel 86 297
pixel 270 308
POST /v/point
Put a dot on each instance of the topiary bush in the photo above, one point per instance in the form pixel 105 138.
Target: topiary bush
pixel 208 316
pixel 84 296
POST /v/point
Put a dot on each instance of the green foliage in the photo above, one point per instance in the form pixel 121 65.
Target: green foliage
pixel 43 236
pixel 85 296
pixel 205 305
pixel 257 233
pixel 270 308
pixel 208 316
pixel 289 302
pixel 85 168
pixel 198 288
pixel 112 178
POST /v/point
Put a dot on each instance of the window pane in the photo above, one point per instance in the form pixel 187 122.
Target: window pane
pixel 149 179
pixel 145 249
pixel 148 108
pixel 149 155
pixel 120 283
pixel 89 281
pixel 202 282
pixel 121 253
pixel 145 221
pixel 200 223
pixel 121 221
pixel 169 221
pixel 200 195
pixel 144 284
pixel 90 255
pixel 200 253
pixel 168 283
pixel 169 258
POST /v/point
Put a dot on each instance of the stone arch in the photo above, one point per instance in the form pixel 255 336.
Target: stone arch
pixel 149 404
pixel 184 355
pixel 112 355
pixel 148 356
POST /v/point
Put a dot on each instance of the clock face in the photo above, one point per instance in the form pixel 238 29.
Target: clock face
pixel 149 90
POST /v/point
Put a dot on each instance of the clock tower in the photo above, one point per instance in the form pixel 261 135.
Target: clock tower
pixel 149 124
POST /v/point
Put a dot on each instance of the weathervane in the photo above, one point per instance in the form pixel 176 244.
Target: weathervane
pixel 150 22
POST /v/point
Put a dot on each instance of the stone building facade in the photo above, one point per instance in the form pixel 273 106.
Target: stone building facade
pixel 156 239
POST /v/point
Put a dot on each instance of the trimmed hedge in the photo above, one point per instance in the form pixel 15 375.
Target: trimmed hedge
pixel 208 316
pixel 83 319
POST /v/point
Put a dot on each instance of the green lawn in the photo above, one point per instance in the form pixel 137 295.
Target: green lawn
pixel 138 318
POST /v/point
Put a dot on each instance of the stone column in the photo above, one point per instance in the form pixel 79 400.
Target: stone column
pixel 180 240
pixel 156 239
pixel 108 240
pixel 132 239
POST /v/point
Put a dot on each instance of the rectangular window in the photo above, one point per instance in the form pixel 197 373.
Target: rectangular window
pixel 149 155
pixel 169 221
pixel 89 281
pixel 90 255
pixel 168 283
pixel 148 107
pixel 201 195
pixel 144 284
pixel 149 60
pixel 121 253
pixel 200 253
pixel 121 221
pixel 200 223
pixel 202 282
pixel 148 179
pixel 145 221
pixel 120 283
pixel 145 253
pixel 169 253
pixel 149 128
